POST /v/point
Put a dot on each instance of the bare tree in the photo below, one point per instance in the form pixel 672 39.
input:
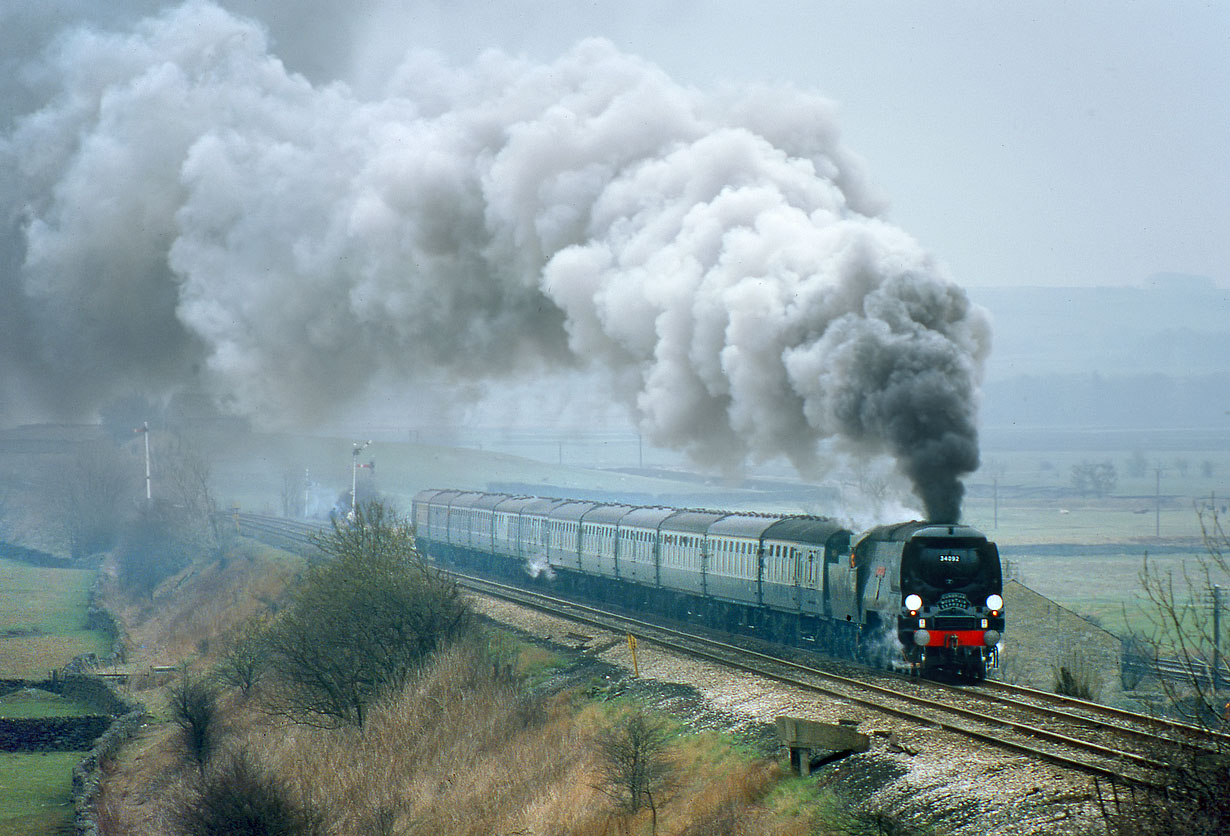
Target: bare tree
pixel 177 526
pixel 1195 798
pixel 360 623
pixel 294 502
pixel 634 768
pixel 1138 465
pixel 183 475
pixel 90 496
pixel 1094 478
pixel 1181 623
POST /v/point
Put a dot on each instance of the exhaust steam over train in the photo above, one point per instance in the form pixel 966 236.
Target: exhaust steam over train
pixel 927 596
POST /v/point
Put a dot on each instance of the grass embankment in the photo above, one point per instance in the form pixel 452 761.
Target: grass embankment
pixel 464 750
pixel 469 746
pixel 42 619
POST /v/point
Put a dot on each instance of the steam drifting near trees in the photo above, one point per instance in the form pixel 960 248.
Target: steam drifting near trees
pixel 181 208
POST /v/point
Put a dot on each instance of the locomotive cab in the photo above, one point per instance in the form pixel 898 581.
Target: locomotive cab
pixel 952 607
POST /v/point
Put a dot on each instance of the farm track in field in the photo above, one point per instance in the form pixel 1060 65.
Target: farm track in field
pixel 1074 734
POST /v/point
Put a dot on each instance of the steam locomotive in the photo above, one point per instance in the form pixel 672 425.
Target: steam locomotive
pixel 926 597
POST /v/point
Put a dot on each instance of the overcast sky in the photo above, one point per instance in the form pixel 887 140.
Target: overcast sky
pixel 1049 143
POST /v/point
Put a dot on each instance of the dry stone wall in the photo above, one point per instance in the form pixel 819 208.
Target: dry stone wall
pixel 1041 636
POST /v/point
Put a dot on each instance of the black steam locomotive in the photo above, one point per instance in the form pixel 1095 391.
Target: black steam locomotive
pixel 924 596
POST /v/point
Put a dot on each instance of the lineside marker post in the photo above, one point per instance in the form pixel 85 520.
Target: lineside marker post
pixel 636 668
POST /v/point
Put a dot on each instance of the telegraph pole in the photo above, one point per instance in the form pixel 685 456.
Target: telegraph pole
pixel 1157 514
pixel 1216 638
pixel 149 495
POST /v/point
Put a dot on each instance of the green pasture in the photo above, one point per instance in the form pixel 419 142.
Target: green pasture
pixel 42 619
pixel 1087 553
pixel 36 793
pixel 32 703
pixel 1037 502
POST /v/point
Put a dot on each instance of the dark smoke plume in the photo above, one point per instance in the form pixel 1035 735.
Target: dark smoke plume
pixel 182 210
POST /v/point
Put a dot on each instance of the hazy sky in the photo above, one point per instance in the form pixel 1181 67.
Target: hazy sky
pixel 1049 143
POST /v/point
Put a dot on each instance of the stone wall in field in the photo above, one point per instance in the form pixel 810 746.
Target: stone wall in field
pixel 1042 639
pixel 100 736
pixel 51 734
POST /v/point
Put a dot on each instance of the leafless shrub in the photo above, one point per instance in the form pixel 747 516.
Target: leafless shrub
pixel 245 662
pixel 633 764
pixel 1182 626
pixel 240 798
pixel 1075 676
pixel 194 707
pixel 1193 797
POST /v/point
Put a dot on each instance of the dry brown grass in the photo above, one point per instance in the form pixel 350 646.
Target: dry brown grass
pixel 465 749
pixel 195 613
pixel 461 751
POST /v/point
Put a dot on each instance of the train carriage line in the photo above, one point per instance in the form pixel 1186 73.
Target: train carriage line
pixel 918 595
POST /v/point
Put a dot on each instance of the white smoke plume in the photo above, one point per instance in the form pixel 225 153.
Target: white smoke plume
pixel 181 209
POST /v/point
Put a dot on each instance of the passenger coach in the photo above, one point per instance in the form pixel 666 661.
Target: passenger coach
pixel 924 595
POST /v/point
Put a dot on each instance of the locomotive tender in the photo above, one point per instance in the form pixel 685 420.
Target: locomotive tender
pixel 923 595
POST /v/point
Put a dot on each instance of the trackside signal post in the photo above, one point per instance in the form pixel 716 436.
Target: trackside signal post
pixel 354 475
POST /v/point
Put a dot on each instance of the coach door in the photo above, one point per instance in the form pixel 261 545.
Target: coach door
pixel 812 569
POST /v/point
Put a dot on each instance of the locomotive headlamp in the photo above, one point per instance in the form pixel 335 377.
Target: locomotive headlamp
pixel 913 602
pixel 994 602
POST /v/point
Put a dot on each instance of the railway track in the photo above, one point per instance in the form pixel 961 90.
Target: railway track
pixel 1074 734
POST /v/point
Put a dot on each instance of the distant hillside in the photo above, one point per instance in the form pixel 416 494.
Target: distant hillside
pixel 1172 325
pixel 1151 356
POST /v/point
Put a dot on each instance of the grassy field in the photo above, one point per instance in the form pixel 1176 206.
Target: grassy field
pixel 42 626
pixel 26 704
pixel 36 792
pixel 42 619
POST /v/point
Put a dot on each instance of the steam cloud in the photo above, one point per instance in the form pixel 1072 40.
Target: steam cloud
pixel 182 209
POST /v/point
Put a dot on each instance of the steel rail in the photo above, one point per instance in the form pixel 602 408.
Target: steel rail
pixel 724 654
pixel 1192 736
